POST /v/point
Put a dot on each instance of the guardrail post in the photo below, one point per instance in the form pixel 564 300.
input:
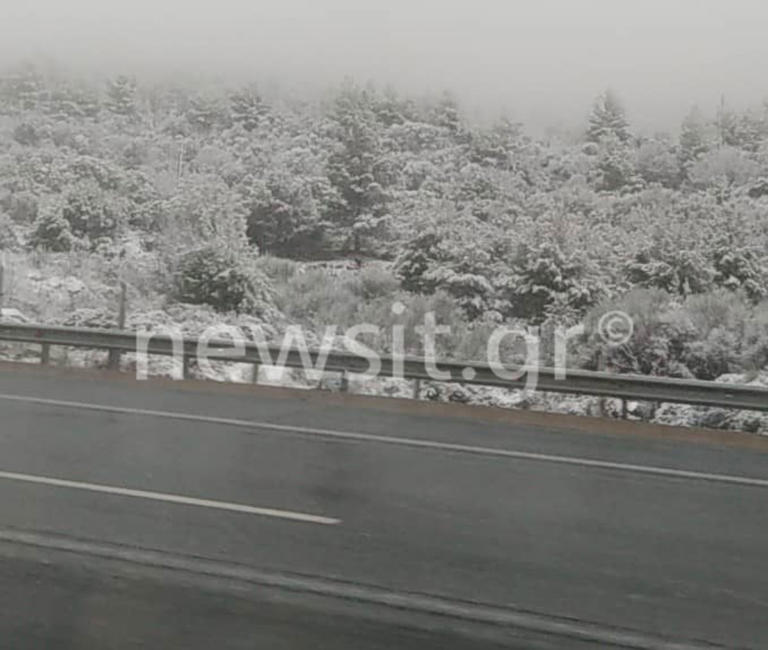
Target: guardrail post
pixel 2 285
pixel 601 401
pixel 114 355
pixel 113 362
pixel 416 388
pixel 45 354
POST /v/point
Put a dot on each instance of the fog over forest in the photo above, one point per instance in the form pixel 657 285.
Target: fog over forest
pixel 541 62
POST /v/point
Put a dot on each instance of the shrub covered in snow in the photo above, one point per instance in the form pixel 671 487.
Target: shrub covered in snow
pixel 216 277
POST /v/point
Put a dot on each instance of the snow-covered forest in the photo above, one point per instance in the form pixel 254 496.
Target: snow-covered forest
pixel 224 203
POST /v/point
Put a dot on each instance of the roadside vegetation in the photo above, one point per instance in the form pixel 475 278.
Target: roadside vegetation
pixel 244 206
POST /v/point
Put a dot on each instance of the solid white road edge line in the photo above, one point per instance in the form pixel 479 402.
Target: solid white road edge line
pixel 403 442
pixel 169 498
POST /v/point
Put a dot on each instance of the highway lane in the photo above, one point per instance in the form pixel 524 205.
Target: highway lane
pixel 660 554
pixel 69 603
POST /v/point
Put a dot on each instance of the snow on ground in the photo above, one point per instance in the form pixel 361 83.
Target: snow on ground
pixel 158 366
pixel 717 418
pixel 64 299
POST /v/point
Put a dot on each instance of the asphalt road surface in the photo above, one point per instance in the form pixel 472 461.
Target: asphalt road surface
pixel 163 515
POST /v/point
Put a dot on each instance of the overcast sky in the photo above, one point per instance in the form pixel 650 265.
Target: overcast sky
pixel 541 60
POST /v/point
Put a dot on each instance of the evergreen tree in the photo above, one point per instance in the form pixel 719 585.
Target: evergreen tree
pixel 92 213
pixel 608 119
pixel 657 163
pixel 743 131
pixel 204 112
pixel 693 138
pixel 51 231
pixel 615 165
pixel 70 102
pixel 247 108
pixel 22 89
pixel 544 274
pixel 217 276
pixel 354 168
pixel 446 114
pixel 391 110
pixel 121 96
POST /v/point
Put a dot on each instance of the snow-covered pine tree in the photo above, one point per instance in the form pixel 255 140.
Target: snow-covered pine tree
pixel 608 119
pixel 121 96
pixel 247 108
pixel 693 138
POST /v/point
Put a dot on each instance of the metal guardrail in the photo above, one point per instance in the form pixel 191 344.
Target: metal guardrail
pixel 601 384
